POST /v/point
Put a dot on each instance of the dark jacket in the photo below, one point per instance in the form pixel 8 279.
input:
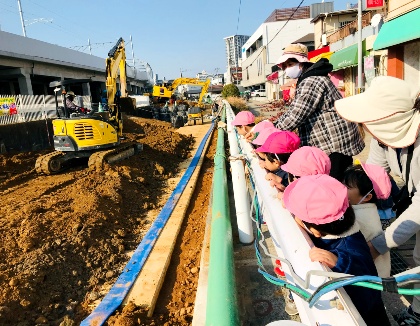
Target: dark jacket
pixel 354 258
pixel 283 175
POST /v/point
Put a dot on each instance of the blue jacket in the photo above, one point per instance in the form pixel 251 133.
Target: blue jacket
pixel 354 258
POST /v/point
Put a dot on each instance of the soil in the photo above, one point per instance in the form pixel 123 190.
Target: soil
pixel 64 237
pixel 175 305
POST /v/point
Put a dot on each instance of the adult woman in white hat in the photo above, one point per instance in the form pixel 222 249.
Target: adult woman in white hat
pixel 312 110
pixel 390 111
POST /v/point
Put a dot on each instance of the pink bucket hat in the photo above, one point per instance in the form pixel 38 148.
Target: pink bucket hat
pixel 280 142
pixel 243 118
pixel 380 180
pixel 295 51
pixel 317 199
pixel 263 125
pixel 263 135
pixel 308 160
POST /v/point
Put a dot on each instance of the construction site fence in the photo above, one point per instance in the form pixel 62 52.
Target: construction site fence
pixel 222 307
pixel 25 108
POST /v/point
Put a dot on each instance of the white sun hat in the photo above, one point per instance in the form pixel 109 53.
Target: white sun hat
pixel 386 109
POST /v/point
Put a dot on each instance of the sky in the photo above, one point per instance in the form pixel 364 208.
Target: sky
pixel 172 36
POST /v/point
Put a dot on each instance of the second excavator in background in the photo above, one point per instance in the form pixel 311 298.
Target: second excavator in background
pixel 96 135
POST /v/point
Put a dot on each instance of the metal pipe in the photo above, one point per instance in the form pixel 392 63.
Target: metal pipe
pixel 222 308
pixel 240 191
pixel 359 47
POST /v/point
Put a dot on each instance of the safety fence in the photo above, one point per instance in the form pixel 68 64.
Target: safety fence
pixel 222 306
pixel 25 108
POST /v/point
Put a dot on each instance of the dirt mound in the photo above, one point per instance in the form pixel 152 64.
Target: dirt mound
pixel 65 236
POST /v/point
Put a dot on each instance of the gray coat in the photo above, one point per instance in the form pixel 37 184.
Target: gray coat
pixel 408 223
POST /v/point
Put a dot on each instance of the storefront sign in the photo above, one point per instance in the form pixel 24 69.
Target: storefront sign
pixel 369 68
pixel 8 106
pixel 236 73
pixel 373 4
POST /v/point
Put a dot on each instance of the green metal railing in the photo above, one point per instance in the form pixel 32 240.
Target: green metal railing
pixel 222 307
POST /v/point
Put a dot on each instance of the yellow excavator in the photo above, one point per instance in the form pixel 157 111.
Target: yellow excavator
pixel 167 91
pixel 96 135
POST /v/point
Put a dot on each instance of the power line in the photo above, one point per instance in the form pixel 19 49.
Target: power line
pixel 239 15
pixel 291 16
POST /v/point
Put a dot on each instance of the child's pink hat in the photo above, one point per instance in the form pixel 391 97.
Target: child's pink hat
pixel 317 199
pixel 263 135
pixel 243 118
pixel 380 180
pixel 280 142
pixel 308 160
pixel 260 126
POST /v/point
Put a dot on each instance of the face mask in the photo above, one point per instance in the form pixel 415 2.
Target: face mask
pixel 293 72
pixel 364 197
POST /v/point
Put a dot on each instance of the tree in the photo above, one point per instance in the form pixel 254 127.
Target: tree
pixel 230 90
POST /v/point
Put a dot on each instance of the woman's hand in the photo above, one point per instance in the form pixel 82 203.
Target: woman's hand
pixel 323 256
pixel 250 136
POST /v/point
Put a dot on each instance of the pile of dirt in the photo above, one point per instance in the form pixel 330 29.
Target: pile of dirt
pixel 175 305
pixel 66 236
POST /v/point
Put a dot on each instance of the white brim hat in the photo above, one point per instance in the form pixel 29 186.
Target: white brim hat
pixel 386 109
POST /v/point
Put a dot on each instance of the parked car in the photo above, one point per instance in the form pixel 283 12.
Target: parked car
pixel 258 93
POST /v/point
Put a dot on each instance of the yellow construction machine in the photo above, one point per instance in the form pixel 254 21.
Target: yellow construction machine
pixel 165 92
pixel 96 135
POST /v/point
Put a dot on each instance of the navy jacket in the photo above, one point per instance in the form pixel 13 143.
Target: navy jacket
pixel 354 258
pixel 283 175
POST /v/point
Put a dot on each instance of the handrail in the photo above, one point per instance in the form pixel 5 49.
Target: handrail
pixel 125 281
pixel 222 308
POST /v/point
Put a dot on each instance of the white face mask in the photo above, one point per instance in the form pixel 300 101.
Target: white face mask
pixel 364 197
pixel 293 71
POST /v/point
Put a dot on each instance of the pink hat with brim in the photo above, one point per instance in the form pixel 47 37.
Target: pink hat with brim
pixel 280 142
pixel 264 134
pixel 317 199
pixel 263 125
pixel 380 180
pixel 308 160
pixel 243 118
pixel 295 51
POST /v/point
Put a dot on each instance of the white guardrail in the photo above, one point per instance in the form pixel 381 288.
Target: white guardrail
pixel 292 243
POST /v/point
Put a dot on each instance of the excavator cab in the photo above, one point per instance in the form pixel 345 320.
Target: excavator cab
pixel 195 116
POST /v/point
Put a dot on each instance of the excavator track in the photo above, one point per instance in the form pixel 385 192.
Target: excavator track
pixel 51 163
pixel 97 160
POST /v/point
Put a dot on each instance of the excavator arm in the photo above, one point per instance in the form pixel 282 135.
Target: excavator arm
pixel 114 63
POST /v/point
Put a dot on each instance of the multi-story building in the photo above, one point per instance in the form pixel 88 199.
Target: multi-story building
pixel 265 46
pixel 234 45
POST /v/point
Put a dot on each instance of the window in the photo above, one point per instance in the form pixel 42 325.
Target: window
pixel 342 24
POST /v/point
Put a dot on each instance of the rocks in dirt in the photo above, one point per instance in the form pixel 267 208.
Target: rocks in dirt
pixel 67 321
pixel 41 320
pixel 93 295
pixel 194 270
pixel 159 168
pixel 14 282
pixel 109 274
pixel 121 233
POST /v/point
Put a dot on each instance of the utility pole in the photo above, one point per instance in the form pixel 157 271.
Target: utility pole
pixel 90 47
pixel 21 18
pixel 359 47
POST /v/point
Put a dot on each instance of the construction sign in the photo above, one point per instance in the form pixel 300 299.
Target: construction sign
pixel 8 106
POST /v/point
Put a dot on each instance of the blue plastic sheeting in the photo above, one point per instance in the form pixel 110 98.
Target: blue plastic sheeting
pixel 122 286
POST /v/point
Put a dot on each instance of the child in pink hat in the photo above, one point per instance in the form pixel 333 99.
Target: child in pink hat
pixel 244 122
pixel 320 205
pixel 275 152
pixel 307 160
pixel 366 183
pixel 259 127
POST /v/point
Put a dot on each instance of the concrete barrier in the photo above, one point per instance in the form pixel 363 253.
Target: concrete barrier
pixel 26 136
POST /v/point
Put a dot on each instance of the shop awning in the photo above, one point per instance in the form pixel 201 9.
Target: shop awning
pixel 326 55
pixel 317 52
pixel 273 77
pixel 399 30
pixel 346 57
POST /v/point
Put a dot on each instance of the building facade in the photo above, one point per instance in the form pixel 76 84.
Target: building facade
pixel 233 56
